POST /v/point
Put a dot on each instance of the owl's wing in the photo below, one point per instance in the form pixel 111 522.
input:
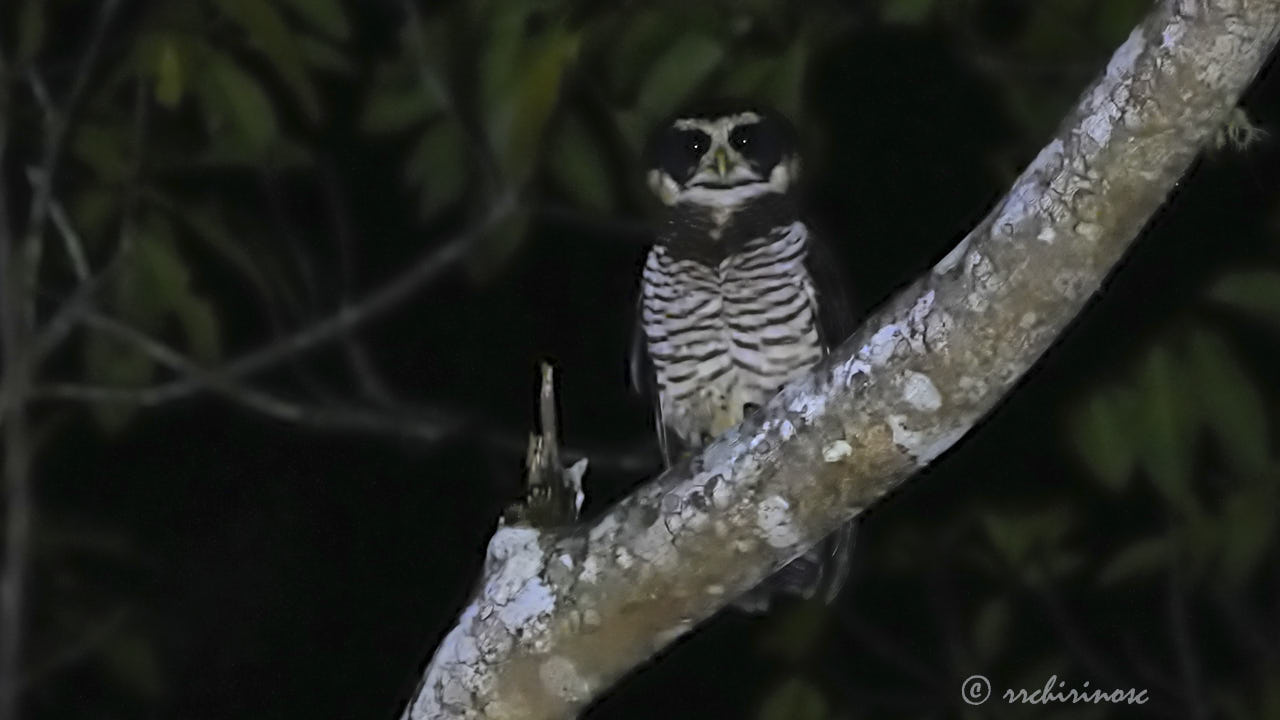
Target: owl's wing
pixel 836 317
pixel 644 383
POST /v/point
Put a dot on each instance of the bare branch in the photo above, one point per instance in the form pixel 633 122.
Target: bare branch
pixel 17 446
pixel 385 298
pixel 558 617
pixel 262 402
pixel 57 125
pixel 400 421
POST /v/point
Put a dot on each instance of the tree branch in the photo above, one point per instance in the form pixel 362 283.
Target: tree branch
pixel 17 447
pixel 426 268
pixel 558 617
pixel 429 425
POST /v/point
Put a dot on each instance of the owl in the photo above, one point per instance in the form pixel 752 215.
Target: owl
pixel 736 297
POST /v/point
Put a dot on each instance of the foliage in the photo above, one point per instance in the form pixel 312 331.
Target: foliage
pixel 210 132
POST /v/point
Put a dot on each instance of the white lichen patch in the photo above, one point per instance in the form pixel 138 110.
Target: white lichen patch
pixel 1023 201
pixel 535 599
pixel 904 437
pixel 590 570
pixel 837 451
pixel 605 530
pixel 919 392
pixel 654 545
pixel 881 346
pixel 513 585
pixel 1124 58
pixel 560 678
pixel 786 430
pixel 624 558
pixel 455 672
pixel 920 309
pixel 922 446
pixel 843 374
pixel 773 517
pixel 937 330
pixel 973 389
pixel 808 404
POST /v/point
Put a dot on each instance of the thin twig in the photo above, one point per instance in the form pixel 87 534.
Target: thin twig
pixel 265 403
pixel 71 240
pixel 57 125
pixel 425 269
pixel 371 383
pixel 17 448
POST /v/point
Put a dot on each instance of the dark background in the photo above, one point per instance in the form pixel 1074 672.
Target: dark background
pixel 1112 522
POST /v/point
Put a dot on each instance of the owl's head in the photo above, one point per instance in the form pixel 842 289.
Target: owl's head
pixel 722 155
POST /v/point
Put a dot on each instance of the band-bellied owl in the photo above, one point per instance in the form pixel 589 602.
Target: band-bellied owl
pixel 735 300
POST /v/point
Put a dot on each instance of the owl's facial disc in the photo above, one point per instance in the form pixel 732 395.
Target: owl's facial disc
pixel 722 161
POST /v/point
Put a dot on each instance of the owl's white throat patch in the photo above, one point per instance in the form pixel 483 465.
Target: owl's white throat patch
pixel 671 193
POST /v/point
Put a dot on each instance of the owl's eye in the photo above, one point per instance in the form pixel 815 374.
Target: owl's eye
pixel 695 142
pixel 742 137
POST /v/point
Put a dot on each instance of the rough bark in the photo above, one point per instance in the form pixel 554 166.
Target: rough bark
pixel 560 616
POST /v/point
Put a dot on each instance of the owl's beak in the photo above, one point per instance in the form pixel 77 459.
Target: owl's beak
pixel 722 162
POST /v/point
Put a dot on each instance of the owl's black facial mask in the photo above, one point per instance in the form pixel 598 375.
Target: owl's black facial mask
pixel 722 160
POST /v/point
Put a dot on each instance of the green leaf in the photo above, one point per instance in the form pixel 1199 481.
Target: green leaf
pixel 169 75
pixel 93 210
pixel 1248 526
pixel 1099 430
pixel 797 698
pixel 642 37
pixel 788 80
pixel 1144 557
pixel 105 149
pixel 749 77
pixel 323 56
pixel 684 67
pixel 272 36
pixel 905 12
pixel 327 16
pixel 397 102
pixel 518 120
pixel 577 162
pixel 632 126
pixel 1231 403
pixel 1166 428
pixel 31 31
pixel 1256 293
pixel 1030 541
pixel 239 96
pixel 438 165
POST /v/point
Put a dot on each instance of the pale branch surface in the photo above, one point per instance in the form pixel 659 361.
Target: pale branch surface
pixel 559 617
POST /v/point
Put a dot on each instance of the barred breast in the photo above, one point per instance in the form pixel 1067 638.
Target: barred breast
pixel 727 333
